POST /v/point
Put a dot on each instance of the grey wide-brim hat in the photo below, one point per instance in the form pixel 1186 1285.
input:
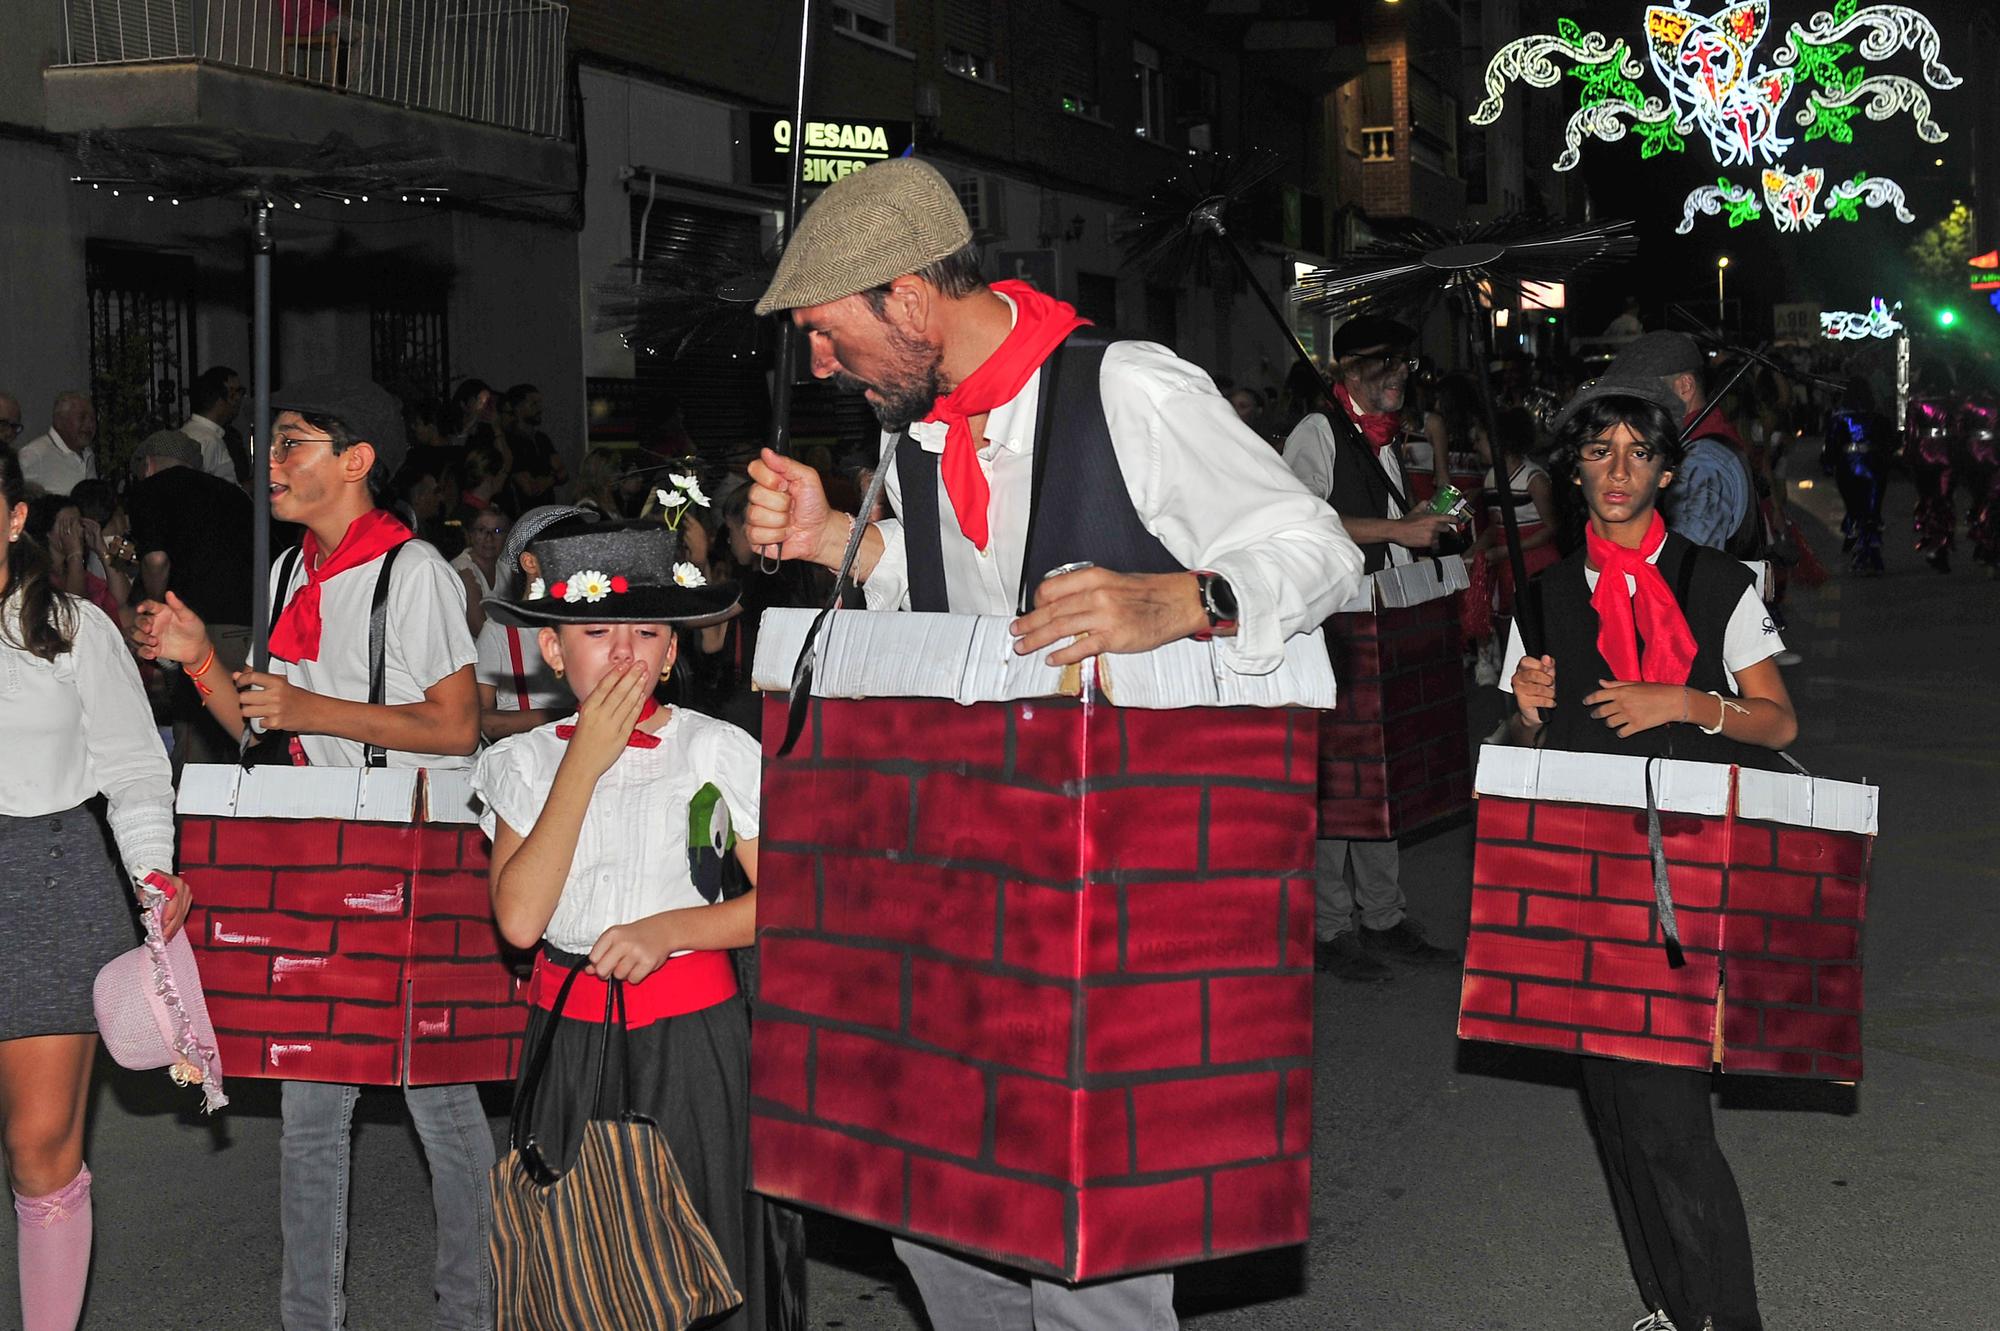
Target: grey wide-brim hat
pixel 1648 387
pixel 869 228
pixel 616 573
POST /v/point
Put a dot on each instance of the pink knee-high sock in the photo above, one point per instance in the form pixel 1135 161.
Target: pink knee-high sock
pixel 55 1255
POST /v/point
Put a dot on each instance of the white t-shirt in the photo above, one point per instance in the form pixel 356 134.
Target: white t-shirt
pixel 631 856
pixel 1750 636
pixel 425 640
pixel 496 668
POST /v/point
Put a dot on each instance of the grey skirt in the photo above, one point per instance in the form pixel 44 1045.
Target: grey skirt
pixel 64 912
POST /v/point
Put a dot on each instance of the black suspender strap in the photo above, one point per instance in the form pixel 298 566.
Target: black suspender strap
pixel 1045 416
pixel 378 645
pixel 281 590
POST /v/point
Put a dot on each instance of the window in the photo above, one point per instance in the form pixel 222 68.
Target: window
pixel 1433 125
pixel 1198 103
pixel 965 39
pixel 873 19
pixel 1149 92
pixel 408 351
pixel 980 197
pixel 141 343
pixel 708 383
pixel 1073 61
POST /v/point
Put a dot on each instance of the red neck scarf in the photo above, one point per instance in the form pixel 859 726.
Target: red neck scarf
pixel 638 739
pixel 1040 324
pixel 1378 427
pixel 295 637
pixel 1651 611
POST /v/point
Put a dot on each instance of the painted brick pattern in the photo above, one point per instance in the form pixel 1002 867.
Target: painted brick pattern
pixel 1565 953
pixel 351 952
pixel 1395 753
pixel 1042 994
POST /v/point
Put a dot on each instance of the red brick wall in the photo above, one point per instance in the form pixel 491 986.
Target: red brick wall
pixel 350 952
pixel 1565 950
pixel 1395 752
pixel 1037 978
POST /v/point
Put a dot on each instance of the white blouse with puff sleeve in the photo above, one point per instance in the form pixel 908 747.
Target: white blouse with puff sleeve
pixel 80 726
pixel 631 855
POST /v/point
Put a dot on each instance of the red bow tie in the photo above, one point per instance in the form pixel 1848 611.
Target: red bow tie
pixel 638 739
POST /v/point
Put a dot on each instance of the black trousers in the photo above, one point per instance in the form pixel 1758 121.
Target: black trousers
pixel 1677 1202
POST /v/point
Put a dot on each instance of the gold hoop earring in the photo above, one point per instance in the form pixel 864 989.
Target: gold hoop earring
pixel 559 671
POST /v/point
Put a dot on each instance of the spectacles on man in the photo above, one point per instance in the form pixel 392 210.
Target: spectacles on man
pixel 10 428
pixel 1381 365
pixel 283 442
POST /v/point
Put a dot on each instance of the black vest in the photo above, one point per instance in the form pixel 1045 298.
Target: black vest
pixel 1081 509
pixel 1360 485
pixel 1709 585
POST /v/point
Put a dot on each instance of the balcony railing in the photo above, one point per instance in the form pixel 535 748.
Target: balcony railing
pixel 500 62
pixel 1378 143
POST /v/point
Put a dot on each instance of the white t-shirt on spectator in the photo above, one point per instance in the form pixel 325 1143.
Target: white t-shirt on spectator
pixel 497 669
pixel 425 640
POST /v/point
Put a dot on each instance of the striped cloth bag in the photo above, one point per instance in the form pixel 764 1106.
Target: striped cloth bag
pixel 613 1242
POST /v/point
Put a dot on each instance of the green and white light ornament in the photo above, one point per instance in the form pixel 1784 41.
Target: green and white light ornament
pixel 1715 91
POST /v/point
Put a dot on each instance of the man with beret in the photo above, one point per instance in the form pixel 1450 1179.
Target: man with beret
pixel 1021 443
pixel 193 531
pixel 1713 501
pixel 1351 460
pixel 335 442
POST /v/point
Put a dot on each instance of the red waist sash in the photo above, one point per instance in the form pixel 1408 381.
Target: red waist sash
pixel 684 984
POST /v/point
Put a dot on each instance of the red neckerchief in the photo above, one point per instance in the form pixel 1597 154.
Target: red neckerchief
pixel 1040 324
pixel 295 637
pixel 1378 427
pixel 1670 646
pixel 638 739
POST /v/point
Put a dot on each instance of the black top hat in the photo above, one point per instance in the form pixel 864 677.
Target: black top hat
pixel 617 573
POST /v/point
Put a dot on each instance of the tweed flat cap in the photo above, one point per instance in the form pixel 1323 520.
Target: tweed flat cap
pixel 868 228
pixel 1663 353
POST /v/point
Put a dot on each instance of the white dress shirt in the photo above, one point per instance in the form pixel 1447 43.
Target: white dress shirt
pixel 425 640
pixel 48 462
pixel 80 726
pixel 215 459
pixel 1309 451
pixel 631 856
pixel 1202 482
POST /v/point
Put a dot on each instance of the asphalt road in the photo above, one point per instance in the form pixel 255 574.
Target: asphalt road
pixel 1455 1185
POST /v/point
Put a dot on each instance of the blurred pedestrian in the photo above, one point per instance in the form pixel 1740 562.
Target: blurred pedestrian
pixel 57 460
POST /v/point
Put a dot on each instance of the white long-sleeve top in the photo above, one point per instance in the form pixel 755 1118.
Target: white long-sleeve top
pixel 80 726
pixel 1212 492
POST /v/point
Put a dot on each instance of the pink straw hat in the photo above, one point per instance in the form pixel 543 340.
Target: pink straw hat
pixel 151 1012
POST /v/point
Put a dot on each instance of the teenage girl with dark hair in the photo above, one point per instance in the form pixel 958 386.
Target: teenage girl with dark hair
pixel 1703 687
pixel 74 724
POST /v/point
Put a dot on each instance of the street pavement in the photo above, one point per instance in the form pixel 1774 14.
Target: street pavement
pixel 1454 1185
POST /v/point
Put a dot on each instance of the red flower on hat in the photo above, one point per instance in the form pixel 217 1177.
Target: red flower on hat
pixel 618 583
pixel 559 590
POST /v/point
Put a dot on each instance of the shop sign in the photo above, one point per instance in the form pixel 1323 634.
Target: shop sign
pixel 833 148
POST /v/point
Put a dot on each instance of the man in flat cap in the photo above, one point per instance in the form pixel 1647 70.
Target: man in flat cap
pixel 1713 501
pixel 1352 461
pixel 1021 441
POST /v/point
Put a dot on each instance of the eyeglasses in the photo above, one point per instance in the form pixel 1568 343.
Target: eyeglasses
pixel 499 529
pixel 1380 365
pixel 282 444
pixel 10 427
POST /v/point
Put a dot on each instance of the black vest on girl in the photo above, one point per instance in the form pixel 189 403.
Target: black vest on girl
pixel 1359 488
pixel 1080 508
pixel 1709 585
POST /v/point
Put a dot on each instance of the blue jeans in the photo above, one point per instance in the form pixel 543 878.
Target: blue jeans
pixel 317 1141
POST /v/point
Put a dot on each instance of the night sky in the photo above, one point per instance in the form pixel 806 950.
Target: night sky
pixel 1841 264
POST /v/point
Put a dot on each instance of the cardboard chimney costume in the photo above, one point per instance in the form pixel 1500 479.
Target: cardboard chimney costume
pixel 343 926
pixel 1037 955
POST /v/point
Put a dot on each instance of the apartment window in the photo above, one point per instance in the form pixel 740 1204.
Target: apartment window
pixel 980 197
pixel 1149 89
pixel 141 342
pixel 408 349
pixel 873 19
pixel 1433 125
pixel 965 39
pixel 1198 103
pixel 1073 62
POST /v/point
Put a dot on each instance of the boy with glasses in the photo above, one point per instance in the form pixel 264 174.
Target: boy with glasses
pixel 334 444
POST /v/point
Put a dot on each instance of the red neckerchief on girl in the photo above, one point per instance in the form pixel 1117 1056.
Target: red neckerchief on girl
pixel 1378 427
pixel 295 637
pixel 1650 611
pixel 1040 324
pixel 638 739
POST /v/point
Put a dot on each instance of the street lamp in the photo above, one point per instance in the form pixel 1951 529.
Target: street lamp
pixel 1721 267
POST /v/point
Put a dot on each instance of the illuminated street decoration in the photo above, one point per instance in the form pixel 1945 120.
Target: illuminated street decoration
pixel 1716 90
pixel 1847 325
pixel 1793 199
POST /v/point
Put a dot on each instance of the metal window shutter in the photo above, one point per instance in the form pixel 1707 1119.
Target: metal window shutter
pixel 881 11
pixel 718 381
pixel 966 25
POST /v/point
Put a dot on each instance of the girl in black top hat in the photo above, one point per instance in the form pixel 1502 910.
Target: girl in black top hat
pixel 1676 661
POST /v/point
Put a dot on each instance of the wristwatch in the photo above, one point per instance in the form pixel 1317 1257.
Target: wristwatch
pixel 1218 599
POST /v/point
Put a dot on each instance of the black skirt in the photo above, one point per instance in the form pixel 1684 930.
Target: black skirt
pixel 64 913
pixel 691 1075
